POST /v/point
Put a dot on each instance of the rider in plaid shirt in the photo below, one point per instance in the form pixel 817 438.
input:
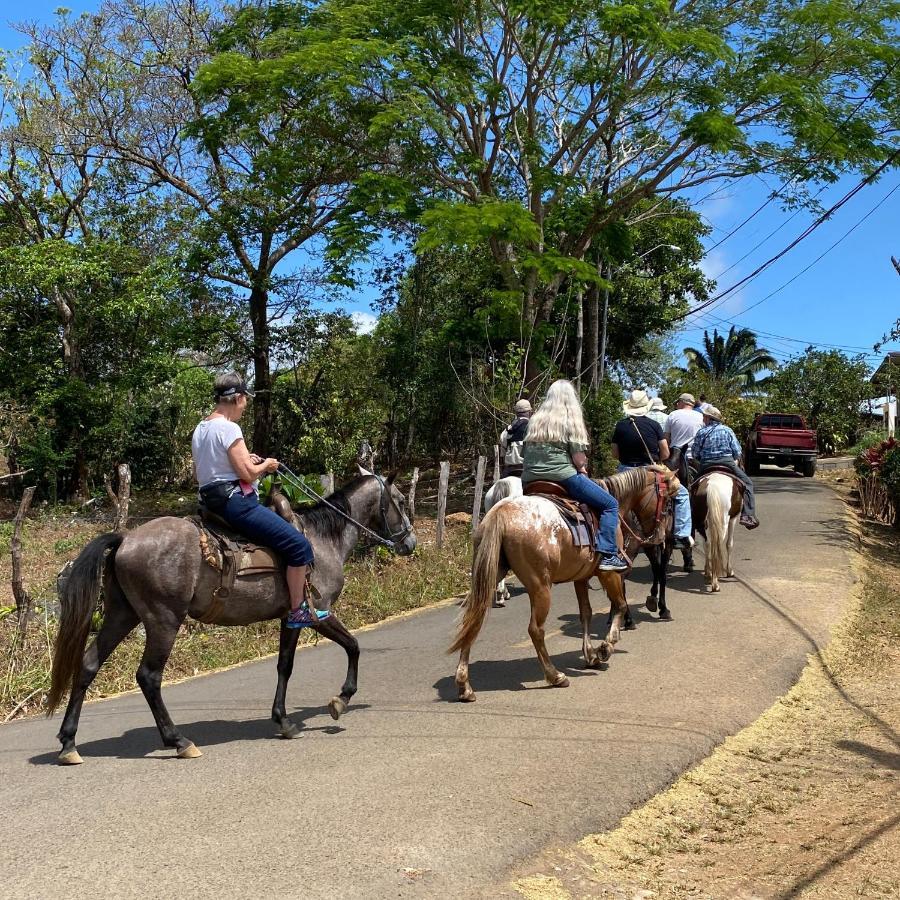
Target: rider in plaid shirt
pixel 717 445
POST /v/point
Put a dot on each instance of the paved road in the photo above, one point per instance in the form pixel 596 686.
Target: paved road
pixel 414 795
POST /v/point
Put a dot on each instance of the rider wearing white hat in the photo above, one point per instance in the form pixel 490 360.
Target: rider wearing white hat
pixel 638 441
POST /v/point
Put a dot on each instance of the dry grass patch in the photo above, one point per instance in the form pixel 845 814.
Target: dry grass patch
pixel 804 802
pixel 378 585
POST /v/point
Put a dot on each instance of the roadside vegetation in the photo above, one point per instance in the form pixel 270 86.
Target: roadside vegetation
pixel 804 802
pixel 378 585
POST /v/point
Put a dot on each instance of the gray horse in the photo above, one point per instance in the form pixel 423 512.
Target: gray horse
pixel 156 575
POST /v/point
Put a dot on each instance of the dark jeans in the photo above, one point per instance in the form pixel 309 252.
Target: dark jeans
pixel 263 525
pixel 580 487
pixel 749 508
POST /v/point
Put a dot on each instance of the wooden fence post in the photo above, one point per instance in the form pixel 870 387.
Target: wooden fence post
pixel 496 463
pixel 411 502
pixel 327 482
pixel 479 490
pixel 124 497
pixel 22 597
pixel 442 502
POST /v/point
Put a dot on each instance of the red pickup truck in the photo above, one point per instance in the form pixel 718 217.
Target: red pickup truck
pixel 781 439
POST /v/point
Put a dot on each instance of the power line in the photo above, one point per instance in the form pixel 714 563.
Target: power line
pixel 808 160
pixel 802 236
pixel 825 252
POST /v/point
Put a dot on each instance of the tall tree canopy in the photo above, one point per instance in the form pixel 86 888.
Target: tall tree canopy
pixel 731 361
pixel 533 128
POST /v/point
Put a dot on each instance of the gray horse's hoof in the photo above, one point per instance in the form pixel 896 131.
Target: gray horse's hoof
pixel 337 707
pixel 190 751
pixel 288 730
pixel 72 758
pixel 467 696
pixel 605 651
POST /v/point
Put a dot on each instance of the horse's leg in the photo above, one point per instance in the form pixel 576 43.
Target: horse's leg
pixel 614 585
pixel 665 552
pixel 627 621
pixel 729 569
pixel 540 609
pixel 591 656
pixel 653 554
pixel 463 685
pixel 335 630
pixel 501 594
pixel 162 630
pixel 287 647
pixel 118 621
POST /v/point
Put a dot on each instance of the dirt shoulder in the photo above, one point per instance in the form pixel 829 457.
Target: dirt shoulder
pixel 804 802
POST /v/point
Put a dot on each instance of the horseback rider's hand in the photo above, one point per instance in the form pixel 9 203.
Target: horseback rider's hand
pixel 271 464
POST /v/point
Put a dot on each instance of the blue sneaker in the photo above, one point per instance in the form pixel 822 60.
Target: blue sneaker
pixel 613 563
pixel 303 617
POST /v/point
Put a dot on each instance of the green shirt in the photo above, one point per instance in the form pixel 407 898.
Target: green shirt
pixel 551 461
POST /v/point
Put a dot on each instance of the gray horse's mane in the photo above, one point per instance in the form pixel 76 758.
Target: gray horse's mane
pixel 325 521
pixel 623 484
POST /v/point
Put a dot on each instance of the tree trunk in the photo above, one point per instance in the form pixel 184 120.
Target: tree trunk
pixel 579 339
pixel 262 376
pixel 592 340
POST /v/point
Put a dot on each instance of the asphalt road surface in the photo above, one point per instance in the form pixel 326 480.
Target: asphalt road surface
pixel 413 794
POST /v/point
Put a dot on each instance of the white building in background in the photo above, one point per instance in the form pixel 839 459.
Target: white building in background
pixel 887 378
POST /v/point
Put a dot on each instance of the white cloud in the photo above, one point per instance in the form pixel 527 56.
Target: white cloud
pixel 365 322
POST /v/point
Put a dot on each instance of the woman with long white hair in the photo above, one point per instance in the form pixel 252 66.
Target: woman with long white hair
pixel 556 446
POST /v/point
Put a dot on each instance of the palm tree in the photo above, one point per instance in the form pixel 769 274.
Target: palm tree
pixel 731 362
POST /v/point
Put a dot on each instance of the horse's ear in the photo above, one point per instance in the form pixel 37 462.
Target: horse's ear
pixel 391 477
pixel 363 470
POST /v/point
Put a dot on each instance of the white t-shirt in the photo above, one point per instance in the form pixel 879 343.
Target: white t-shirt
pixel 681 427
pixel 209 446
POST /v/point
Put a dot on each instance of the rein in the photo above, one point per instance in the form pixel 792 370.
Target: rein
pixel 390 543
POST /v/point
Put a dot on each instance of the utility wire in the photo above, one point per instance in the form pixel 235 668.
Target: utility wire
pixel 813 158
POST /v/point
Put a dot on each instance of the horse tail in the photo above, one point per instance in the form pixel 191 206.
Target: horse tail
pixel 718 510
pixel 485 562
pixel 78 597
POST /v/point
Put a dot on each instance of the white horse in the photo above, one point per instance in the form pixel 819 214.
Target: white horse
pixel 717 503
pixel 511 486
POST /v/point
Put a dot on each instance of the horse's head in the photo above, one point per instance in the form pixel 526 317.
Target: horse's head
pixel 669 477
pixel 388 516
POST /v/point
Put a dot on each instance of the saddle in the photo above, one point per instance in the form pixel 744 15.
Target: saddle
pixel 231 554
pixel 721 470
pixel 579 517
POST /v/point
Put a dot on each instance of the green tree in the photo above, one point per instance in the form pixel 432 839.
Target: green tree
pixel 531 129
pixel 827 388
pixel 727 363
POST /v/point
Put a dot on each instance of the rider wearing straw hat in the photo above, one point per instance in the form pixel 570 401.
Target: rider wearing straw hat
pixel 638 441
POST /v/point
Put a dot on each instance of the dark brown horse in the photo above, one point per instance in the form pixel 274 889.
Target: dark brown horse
pixel 528 536
pixel 156 575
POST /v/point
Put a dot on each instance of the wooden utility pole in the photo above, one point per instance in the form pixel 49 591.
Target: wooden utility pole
pixel 442 502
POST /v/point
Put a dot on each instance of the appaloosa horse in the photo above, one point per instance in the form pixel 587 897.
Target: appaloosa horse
pixel 156 575
pixel 528 535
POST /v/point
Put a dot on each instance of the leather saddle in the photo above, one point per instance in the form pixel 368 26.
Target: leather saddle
pixel 721 470
pixel 230 553
pixel 580 518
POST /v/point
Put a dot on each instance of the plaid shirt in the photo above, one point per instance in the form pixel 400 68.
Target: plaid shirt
pixel 714 442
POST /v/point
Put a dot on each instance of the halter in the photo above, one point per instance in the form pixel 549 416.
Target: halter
pixel 394 537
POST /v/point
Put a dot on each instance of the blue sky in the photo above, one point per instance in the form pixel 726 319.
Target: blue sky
pixel 849 298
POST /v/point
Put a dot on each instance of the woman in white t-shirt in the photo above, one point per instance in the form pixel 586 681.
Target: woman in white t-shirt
pixel 228 473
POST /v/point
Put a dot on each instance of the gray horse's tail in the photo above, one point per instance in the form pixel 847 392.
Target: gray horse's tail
pixel 489 540
pixel 77 597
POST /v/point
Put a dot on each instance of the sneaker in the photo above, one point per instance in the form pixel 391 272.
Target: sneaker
pixel 613 563
pixel 303 617
pixel 684 543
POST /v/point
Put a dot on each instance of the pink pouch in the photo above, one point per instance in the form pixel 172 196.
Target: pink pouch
pixel 247 488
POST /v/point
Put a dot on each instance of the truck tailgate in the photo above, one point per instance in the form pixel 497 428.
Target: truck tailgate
pixel 785 439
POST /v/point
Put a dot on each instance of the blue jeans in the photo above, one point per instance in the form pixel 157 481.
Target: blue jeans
pixel 580 487
pixel 682 507
pixel 266 527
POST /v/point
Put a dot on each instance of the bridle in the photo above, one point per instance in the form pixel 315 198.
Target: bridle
pixel 659 482
pixel 394 537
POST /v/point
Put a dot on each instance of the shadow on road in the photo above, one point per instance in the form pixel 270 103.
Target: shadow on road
pixel 514 674
pixel 137 743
